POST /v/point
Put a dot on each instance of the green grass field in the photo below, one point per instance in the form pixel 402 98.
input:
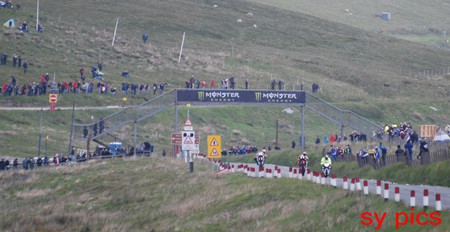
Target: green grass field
pixel 133 195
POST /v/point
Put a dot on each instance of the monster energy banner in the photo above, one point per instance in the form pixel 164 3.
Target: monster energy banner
pixel 241 96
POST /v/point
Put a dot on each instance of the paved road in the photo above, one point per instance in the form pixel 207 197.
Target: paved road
pixel 405 189
pixel 61 108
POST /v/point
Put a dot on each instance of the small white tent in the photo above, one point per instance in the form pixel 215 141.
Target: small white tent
pixel 10 23
pixel 441 136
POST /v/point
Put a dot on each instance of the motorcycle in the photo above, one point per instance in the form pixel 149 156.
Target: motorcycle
pixel 326 169
pixel 260 161
pixel 303 166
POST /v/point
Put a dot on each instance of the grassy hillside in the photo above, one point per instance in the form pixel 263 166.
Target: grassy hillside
pixel 133 195
pixel 284 45
pixel 418 20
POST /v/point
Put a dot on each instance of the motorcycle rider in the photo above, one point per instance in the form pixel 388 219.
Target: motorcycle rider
pixel 302 162
pixel 325 160
pixel 260 157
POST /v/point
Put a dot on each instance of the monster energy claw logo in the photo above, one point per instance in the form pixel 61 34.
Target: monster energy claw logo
pixel 201 96
pixel 258 96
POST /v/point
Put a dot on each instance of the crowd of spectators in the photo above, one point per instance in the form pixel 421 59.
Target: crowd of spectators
pixel 402 131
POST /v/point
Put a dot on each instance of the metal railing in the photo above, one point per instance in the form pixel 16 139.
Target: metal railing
pixel 90 131
pixel 343 118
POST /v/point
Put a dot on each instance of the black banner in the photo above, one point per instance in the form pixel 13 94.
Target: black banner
pixel 240 96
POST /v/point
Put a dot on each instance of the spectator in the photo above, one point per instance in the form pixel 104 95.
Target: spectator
pixel 246 84
pixel 40 28
pixel 16 164
pixel 145 37
pixel 293 144
pixel 25 67
pixel 423 148
pixel 125 73
pixel 161 87
pixel 155 88
pixel 280 85
pixel 383 153
pixel 100 66
pixel 317 141
pixel 19 62
pixel 272 85
pixel 14 60
pixel 408 149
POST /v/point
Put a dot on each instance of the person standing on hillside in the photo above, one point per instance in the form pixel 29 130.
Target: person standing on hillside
pixel 145 37
pixel 383 153
pixel 19 62
pixel 399 152
pixel 14 60
pixel 100 66
pixel 423 148
pixel 25 67
pixel 408 148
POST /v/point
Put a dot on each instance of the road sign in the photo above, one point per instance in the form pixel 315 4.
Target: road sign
pixel 188 125
pixel 188 141
pixel 214 146
pixel 52 106
pixel 53 98
pixel 176 139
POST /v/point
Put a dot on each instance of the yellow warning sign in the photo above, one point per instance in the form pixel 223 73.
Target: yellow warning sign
pixel 214 143
pixel 214 146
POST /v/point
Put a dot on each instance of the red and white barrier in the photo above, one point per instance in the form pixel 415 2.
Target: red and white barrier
pixel 425 199
pixel 438 202
pixel 412 199
pixel 333 180
pixel 317 177
pixel 345 183
pixel 308 174
pixel 269 173
pixel 366 187
pixel 379 187
pixel 322 179
pixel 397 194
pixel 232 168
pixel 300 176
pixel 386 191
pixel 352 185
pixel 261 172
pixel 279 173
pixel 290 172
pixel 358 184
pixel 294 175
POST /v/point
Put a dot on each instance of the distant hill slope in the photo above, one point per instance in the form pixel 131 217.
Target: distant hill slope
pixel 364 71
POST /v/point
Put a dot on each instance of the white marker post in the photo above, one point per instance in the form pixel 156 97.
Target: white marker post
pixel 37 15
pixel 115 30
pixel 181 49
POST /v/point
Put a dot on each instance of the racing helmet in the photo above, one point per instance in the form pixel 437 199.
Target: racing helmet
pixel 326 156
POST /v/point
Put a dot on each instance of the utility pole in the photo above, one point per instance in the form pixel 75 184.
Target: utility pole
pixel 276 136
pixel 40 133
pixel 71 124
